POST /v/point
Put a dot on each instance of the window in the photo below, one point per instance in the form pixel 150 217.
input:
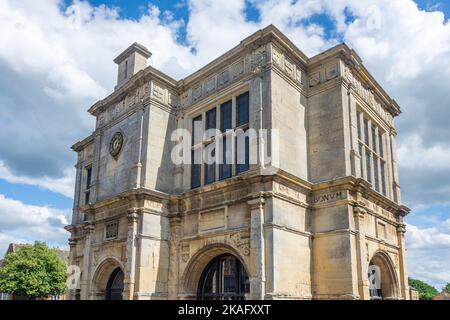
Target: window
pixel 358 122
pixel 195 154
pixel 242 103
pixel 210 122
pixel 126 70
pixel 224 278
pixel 111 230
pixel 368 173
pixel 225 116
pixel 375 174
pixel 225 151
pixel 371 148
pixel 87 191
pixel 366 132
pixel 242 151
pixel 210 163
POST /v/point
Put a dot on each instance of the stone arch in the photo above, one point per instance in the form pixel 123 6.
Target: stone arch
pixel 388 276
pixel 198 262
pixel 101 276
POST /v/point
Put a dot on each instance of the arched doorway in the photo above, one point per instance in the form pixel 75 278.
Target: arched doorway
pixel 382 279
pixel 114 288
pixel 224 278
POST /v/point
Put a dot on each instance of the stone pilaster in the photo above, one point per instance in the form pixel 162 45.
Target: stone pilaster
pixel 359 214
pixel 85 281
pixel 130 265
pixel 257 244
pixel 404 286
pixel 174 257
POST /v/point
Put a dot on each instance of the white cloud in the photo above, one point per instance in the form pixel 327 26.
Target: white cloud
pixel 20 222
pixel 412 153
pixel 428 253
pixel 64 185
pixel 419 238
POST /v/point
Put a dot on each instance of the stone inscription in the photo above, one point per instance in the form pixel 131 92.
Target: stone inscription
pixel 328 197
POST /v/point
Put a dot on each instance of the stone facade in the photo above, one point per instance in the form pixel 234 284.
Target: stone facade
pixel 318 210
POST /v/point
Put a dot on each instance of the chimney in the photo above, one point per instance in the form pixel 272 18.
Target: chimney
pixel 130 62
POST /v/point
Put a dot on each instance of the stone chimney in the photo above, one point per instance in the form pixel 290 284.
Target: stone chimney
pixel 130 62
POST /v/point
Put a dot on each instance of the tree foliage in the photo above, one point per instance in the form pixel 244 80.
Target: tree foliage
pixel 34 271
pixel 447 287
pixel 426 291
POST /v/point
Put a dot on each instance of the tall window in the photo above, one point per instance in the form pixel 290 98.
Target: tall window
pixel 371 151
pixel 87 191
pixel 224 278
pixel 220 143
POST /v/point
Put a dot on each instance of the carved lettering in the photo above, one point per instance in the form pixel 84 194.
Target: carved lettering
pixel 328 197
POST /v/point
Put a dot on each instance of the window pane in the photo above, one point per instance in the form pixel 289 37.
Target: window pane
pixel 225 116
pixel 88 177
pixel 374 140
pixel 375 173
pixel 86 197
pixel 358 123
pixel 225 166
pixel 361 160
pixel 380 144
pixel 210 164
pixel 242 151
pixel 366 132
pixel 368 176
pixel 210 122
pixel 195 168
pixel 242 109
pixel 196 130
pixel 383 179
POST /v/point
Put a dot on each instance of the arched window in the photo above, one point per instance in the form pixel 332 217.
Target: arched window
pixel 224 278
pixel 114 288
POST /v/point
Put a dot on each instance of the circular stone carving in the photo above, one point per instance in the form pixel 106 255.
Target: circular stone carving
pixel 115 146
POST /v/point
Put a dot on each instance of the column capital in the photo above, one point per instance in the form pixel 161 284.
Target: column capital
pixel 133 215
pixel 72 242
pixel 257 203
pixel 89 229
pixel 401 229
pixel 359 211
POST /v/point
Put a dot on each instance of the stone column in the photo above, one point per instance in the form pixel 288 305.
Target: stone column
pixel 130 266
pixel 71 291
pixel 96 166
pixel 404 286
pixel 85 281
pixel 138 166
pixel 174 257
pixel 395 183
pixel 359 213
pixel 257 245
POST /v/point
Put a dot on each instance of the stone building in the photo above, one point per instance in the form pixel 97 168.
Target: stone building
pixel 318 215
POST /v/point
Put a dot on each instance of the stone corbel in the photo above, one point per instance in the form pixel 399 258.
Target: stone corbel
pixel 401 230
pixel 72 243
pixel 256 204
pixel 89 229
pixel 359 211
pixel 133 215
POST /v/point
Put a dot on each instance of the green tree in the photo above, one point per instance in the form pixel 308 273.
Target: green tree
pixel 34 271
pixel 447 287
pixel 426 291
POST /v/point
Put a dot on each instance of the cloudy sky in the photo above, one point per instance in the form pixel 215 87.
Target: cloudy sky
pixel 56 61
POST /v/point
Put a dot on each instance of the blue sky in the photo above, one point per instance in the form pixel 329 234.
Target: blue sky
pixel 59 53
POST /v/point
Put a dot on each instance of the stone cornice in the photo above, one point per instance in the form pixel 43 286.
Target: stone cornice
pixel 80 145
pixel 134 82
pixel 353 61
